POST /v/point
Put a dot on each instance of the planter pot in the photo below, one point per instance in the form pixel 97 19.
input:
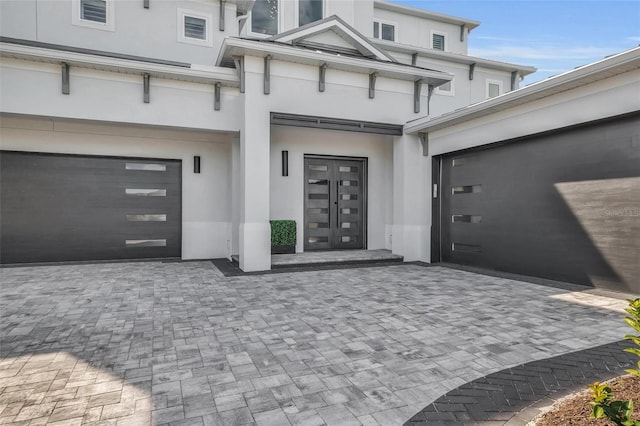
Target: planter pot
pixel 283 249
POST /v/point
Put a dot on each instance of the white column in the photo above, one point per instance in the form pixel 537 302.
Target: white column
pixel 254 247
pixel 411 199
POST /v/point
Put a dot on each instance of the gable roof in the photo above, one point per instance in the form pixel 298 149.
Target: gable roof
pixel 333 34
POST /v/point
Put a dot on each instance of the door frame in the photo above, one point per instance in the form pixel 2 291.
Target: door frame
pixel 365 194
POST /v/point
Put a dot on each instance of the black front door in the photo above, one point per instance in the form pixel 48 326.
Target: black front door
pixel 334 191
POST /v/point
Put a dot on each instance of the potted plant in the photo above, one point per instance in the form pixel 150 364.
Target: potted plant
pixel 283 236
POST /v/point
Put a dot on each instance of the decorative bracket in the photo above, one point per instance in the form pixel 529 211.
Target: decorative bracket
pixel 146 77
pixel 429 94
pixel 321 77
pixel 267 74
pixel 424 141
pixel 221 22
pixel 514 79
pixel 216 97
pixel 414 59
pixel 472 68
pixel 372 85
pixel 462 32
pixel 239 62
pixel 417 88
pixel 65 78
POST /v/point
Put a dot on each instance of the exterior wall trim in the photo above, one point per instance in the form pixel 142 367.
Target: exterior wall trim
pixel 296 120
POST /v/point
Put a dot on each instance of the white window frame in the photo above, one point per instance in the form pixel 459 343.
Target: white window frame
pixel 446 38
pixel 297 11
pixel 498 83
pixel 76 19
pixel 395 30
pixel 451 92
pixel 182 38
pixel 260 35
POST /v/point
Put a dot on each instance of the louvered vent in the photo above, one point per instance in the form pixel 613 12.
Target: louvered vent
pixel 195 28
pixel 94 10
pixel 438 42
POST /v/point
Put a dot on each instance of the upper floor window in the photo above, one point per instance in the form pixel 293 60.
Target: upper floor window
pixel 446 89
pixel 494 88
pixel 309 11
pixel 97 14
pixel 438 41
pixel 264 17
pixel 384 30
pixel 93 10
pixel 194 27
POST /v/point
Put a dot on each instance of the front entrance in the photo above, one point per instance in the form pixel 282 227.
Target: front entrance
pixel 334 210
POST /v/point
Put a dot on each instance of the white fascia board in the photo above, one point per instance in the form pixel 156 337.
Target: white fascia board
pixel 226 76
pixel 453 57
pixel 605 68
pixel 240 47
pixel 421 13
pixel 333 23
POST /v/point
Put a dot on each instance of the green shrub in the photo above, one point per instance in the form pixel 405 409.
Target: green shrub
pixel 283 233
pixel 619 412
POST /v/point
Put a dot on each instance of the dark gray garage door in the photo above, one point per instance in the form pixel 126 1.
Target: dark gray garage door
pixel 562 206
pixel 74 208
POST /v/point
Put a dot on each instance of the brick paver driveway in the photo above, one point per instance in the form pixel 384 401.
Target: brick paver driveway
pixel 179 343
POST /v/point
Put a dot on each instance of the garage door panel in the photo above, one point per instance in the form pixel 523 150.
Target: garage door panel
pixel 556 206
pixel 65 208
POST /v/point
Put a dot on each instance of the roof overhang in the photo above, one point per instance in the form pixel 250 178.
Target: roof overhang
pixel 453 57
pixel 413 11
pixel 233 47
pixel 606 68
pixel 105 61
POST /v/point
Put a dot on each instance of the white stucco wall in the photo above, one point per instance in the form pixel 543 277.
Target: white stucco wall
pixel 287 192
pixel 417 31
pixel 605 98
pixel 34 88
pixel 205 196
pixel 137 31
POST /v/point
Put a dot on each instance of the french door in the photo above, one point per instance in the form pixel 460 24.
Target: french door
pixel 334 211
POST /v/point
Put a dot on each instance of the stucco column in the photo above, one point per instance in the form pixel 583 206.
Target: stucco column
pixel 411 215
pixel 254 248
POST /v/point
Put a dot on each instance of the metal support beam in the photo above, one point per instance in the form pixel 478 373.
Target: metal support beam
pixel 146 78
pixel 472 68
pixel 515 75
pixel 65 78
pixel 239 62
pixel 222 4
pixel 414 59
pixel 267 74
pixel 145 3
pixel 429 94
pixel 462 32
pixel 372 85
pixel 216 97
pixel 417 88
pixel 321 77
pixel 424 141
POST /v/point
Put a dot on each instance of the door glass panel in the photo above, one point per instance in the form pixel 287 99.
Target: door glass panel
pixel 316 225
pixel 318 196
pixel 468 189
pixel 146 217
pixel 348 196
pixel 145 243
pixel 146 192
pixel 318 182
pixel 349 182
pixel 349 239
pixel 317 211
pixel 147 167
pixel 346 169
pixel 318 167
pixel 349 211
pixel 318 239
pixel 466 218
